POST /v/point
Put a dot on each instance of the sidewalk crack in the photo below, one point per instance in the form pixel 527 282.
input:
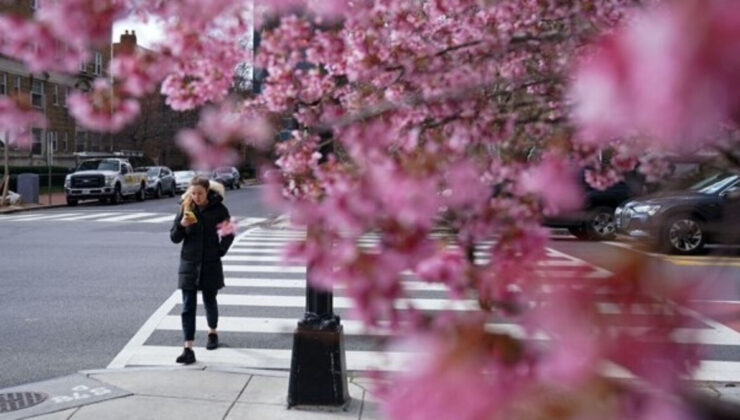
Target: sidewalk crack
pixel 226 415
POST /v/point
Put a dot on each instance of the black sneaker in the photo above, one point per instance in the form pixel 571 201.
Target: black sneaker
pixel 187 357
pixel 212 341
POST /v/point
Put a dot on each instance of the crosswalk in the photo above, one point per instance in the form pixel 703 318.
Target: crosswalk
pixel 107 217
pixel 264 298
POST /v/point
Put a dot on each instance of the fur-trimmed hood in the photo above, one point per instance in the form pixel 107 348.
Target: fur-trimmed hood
pixel 214 186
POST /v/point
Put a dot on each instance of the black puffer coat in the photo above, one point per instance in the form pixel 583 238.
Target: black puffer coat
pixel 200 257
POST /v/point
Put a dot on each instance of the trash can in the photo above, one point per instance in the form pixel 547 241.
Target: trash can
pixel 28 187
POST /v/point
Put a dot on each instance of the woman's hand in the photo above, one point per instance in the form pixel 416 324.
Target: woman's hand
pixel 188 219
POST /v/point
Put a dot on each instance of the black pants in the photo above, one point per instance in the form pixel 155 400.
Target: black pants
pixel 189 303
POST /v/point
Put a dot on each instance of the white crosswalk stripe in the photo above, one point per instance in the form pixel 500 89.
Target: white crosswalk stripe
pixel 265 298
pixel 110 217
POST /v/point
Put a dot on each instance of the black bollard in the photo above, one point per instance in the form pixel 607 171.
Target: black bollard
pixel 318 372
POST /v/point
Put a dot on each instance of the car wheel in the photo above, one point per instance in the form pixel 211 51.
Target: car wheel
pixel 141 195
pixel 683 235
pixel 601 226
pixel 158 191
pixel 579 232
pixel 116 198
pixel 71 202
pixel 238 184
pixel 173 190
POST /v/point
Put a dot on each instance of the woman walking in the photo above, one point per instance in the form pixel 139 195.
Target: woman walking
pixel 196 226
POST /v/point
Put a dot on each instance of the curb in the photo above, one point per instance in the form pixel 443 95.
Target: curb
pixel 24 209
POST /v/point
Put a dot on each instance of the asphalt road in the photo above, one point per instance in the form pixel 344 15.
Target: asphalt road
pixel 72 293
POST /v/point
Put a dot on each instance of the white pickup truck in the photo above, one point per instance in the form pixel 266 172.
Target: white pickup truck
pixel 106 180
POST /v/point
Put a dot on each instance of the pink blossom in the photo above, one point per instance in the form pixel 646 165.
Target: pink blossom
pixel 227 227
pixel 668 73
pixel 603 179
pixel 203 154
pixel 139 72
pixel 447 267
pixel 188 91
pixel 16 120
pixel 556 182
pixel 82 22
pixel 228 123
pixel 37 46
pixel 465 188
pixel 102 110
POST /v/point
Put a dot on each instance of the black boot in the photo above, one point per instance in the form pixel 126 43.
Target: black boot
pixel 212 341
pixel 187 357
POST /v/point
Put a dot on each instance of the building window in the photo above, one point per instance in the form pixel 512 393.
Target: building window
pixel 17 86
pixel 67 90
pixel 37 93
pixel 35 4
pixel 80 141
pixel 36 147
pixel 83 66
pixel 64 143
pixel 98 62
pixel 55 95
pixel 3 84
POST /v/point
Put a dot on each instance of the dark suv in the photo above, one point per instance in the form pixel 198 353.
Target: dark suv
pixel 228 176
pixel 596 220
pixel 682 222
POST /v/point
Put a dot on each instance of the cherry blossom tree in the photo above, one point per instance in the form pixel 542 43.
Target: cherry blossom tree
pixel 471 116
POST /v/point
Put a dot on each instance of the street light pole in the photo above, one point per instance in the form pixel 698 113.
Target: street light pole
pixel 6 171
pixel 318 371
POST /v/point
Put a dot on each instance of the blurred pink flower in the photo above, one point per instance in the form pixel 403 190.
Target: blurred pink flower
pixel 227 227
pixel 446 267
pixel 465 188
pixel 139 72
pixel 556 182
pixel 671 72
pixel 102 109
pixel 227 123
pixel 37 46
pixel 203 154
pixel 17 119
pixel 82 22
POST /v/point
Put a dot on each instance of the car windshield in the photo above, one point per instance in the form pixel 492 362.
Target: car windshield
pixel 720 182
pixel 152 172
pixel 224 170
pixel 184 174
pixel 99 165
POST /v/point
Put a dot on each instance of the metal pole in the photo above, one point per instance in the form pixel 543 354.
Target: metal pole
pixel 49 157
pixel 6 171
pixel 318 371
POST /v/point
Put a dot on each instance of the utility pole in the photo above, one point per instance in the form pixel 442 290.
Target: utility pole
pixel 318 371
pixel 49 160
pixel 6 170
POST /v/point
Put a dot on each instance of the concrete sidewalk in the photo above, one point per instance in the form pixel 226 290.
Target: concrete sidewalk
pixel 203 392
pixel 191 393
pixel 58 199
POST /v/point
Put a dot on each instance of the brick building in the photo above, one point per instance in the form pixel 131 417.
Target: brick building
pixel 154 131
pixel 48 92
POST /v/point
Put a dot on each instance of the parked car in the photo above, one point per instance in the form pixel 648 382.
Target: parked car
pixel 682 222
pixel 106 180
pixel 228 176
pixel 182 180
pixel 596 220
pixel 160 180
